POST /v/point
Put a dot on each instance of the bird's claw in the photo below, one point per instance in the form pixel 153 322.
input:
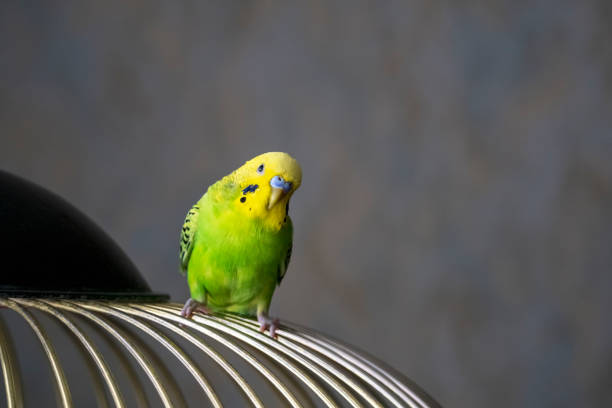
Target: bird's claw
pixel 192 306
pixel 266 322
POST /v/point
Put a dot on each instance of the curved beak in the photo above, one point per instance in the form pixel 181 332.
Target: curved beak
pixel 280 188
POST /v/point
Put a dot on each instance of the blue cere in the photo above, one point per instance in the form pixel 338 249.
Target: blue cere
pixel 250 188
pixel 279 182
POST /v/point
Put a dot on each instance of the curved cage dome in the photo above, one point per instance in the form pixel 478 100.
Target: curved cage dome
pixel 52 249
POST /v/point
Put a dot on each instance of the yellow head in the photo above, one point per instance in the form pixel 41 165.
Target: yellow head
pixel 266 184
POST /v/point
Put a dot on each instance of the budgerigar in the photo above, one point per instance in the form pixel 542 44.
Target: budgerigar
pixel 236 240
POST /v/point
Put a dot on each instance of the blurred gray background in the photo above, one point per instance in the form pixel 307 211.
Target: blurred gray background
pixel 455 216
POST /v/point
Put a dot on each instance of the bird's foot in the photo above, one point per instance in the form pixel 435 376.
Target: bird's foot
pixel 266 322
pixel 192 306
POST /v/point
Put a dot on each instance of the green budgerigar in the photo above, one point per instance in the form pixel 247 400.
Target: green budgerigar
pixel 236 240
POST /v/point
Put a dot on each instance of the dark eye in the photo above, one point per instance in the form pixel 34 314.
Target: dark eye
pixel 260 169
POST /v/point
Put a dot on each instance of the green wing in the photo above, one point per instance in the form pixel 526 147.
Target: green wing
pixel 282 268
pixel 188 236
pixel 284 264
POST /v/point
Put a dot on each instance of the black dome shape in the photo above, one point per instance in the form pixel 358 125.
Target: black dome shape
pixel 48 248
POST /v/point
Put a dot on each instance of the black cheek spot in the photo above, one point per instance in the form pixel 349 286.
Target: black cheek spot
pixel 242 199
pixel 285 220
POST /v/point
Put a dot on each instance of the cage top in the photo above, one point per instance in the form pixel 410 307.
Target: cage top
pixel 51 249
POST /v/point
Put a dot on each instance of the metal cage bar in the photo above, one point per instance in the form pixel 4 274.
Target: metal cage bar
pixel 86 343
pixel 10 369
pixel 335 373
pixel 60 378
